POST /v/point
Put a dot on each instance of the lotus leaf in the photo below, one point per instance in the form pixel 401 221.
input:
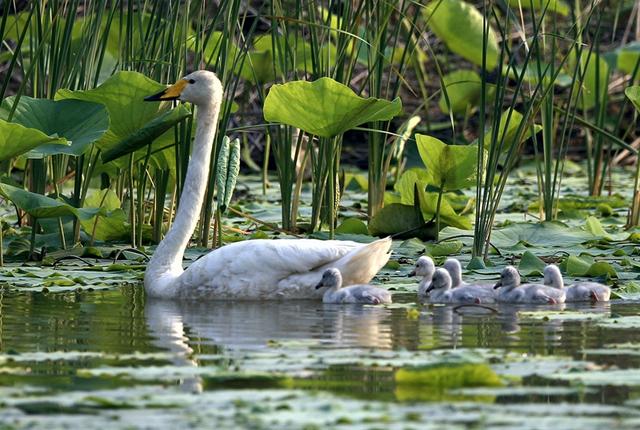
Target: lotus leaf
pixel 325 107
pixel 16 139
pixel 459 25
pixel 633 94
pixel 80 123
pixel 449 167
pixel 40 206
pixel 530 264
pixel 556 6
pixel 463 90
pixel 134 122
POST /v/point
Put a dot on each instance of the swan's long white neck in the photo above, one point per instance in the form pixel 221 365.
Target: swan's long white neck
pixel 166 264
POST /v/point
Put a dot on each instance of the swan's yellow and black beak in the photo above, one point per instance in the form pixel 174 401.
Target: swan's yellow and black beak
pixel 170 93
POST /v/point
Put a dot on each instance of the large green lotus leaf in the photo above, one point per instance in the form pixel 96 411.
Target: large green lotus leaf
pixel 556 6
pixel 449 167
pixel 587 266
pixel 398 218
pixel 531 265
pixel 418 178
pixel 633 94
pixel 40 206
pixel 79 122
pixel 627 57
pixel 110 225
pixel 463 90
pixel 134 122
pixel 548 233
pixel 508 129
pixel 596 78
pixel 459 25
pixel 325 107
pixel 16 139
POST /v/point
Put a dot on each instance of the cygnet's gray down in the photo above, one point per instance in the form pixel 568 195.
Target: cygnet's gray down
pixel 454 268
pixel 365 294
pixel 578 292
pixel 511 291
pixel 440 291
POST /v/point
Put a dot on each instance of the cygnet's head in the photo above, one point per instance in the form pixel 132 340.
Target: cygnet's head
pixel 424 267
pixel 509 278
pixel 441 279
pixel 452 265
pixel 330 278
pixel 201 88
pixel 553 277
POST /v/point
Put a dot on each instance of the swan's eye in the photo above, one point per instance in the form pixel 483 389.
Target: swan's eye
pixel 192 81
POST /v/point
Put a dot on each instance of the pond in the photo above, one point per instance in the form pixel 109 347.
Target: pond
pixel 111 359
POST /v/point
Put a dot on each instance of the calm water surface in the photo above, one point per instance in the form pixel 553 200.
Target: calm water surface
pixel 115 359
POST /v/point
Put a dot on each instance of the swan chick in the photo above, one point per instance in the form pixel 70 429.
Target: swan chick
pixel 454 268
pixel 441 292
pixel 424 267
pixel 512 291
pixel 578 292
pixel 365 294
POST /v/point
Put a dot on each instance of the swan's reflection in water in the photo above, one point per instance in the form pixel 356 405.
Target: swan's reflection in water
pixel 252 325
pixel 181 327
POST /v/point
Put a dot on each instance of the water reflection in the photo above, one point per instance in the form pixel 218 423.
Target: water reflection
pixel 237 326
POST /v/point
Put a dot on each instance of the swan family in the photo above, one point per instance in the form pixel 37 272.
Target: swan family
pixel 445 285
pixel 336 271
pixel 252 269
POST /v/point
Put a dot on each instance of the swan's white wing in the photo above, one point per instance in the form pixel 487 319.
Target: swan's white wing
pixel 263 269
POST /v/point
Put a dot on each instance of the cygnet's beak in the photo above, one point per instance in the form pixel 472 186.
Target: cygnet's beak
pixel 430 287
pixel 320 285
pixel 170 93
pixel 497 285
pixel 412 273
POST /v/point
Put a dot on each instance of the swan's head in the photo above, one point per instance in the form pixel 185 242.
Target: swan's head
pixel 330 278
pixel 201 88
pixel 509 278
pixel 452 265
pixel 553 277
pixel 424 267
pixel 441 279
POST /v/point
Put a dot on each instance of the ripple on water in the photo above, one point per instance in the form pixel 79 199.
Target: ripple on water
pixel 110 354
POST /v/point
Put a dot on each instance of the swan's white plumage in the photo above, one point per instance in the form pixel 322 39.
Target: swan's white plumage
pixel 256 269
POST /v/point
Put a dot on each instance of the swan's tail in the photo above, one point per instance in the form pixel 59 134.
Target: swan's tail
pixel 361 265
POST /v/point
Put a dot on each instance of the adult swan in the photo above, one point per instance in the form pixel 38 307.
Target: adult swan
pixel 250 270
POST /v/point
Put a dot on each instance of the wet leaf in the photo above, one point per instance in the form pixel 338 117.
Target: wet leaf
pixel 449 167
pixel 77 123
pixel 530 265
pixel 463 91
pixel 325 107
pixel 447 17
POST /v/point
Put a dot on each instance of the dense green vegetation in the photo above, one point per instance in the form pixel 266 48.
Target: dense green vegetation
pixel 89 161
pixel 500 132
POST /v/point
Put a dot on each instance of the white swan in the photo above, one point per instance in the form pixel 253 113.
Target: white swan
pixel 579 292
pixel 453 266
pixel 424 267
pixel 255 269
pixel 514 292
pixel 364 294
pixel 440 291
